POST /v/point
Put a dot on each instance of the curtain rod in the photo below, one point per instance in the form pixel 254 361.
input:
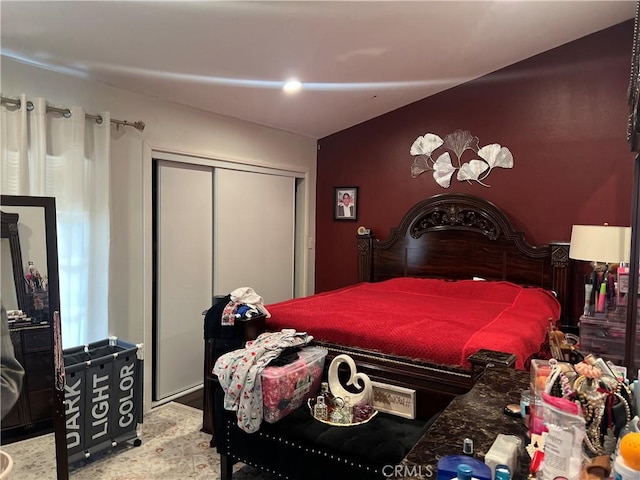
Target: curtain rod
pixel 139 125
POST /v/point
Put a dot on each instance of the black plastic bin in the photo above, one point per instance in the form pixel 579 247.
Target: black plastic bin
pixel 103 396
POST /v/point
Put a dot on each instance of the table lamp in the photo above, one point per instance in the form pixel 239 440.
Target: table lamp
pixel 600 244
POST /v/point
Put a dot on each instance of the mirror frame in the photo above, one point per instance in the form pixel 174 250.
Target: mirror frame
pixel 49 205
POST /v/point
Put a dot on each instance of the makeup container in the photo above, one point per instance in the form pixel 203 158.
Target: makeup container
pixel 588 288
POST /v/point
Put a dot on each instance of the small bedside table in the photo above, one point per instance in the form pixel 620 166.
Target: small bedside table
pixel 484 357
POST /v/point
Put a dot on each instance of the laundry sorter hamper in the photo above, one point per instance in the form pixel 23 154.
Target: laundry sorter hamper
pixel 103 396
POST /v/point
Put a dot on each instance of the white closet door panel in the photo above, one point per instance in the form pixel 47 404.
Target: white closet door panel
pixel 254 228
pixel 185 231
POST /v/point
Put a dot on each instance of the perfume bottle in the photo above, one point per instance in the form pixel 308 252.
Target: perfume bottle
pixel 336 416
pixel 329 399
pixel 320 409
pixel 347 410
pixel 33 278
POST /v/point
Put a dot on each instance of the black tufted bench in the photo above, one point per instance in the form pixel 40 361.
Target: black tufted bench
pixel 298 447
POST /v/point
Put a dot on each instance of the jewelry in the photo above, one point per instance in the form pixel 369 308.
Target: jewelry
pixel 577 383
pixel 588 370
pixel 566 387
pixel 593 403
pixel 593 432
pixel 553 376
pixel 623 386
pixel 627 409
pixel 591 446
pixel 587 407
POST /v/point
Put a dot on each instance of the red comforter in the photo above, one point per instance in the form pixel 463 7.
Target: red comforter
pixel 433 320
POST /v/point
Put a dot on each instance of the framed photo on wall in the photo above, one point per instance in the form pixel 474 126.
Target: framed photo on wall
pixel 345 203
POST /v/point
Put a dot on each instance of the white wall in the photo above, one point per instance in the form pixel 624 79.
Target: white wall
pixel 172 128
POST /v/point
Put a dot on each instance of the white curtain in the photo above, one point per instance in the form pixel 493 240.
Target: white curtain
pixel 66 158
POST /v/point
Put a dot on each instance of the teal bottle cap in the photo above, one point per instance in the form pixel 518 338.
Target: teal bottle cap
pixel 464 471
pixel 502 472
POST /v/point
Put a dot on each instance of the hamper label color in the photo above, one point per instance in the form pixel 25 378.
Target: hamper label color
pixel 103 396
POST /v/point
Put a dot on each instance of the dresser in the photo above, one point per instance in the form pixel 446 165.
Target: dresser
pixel 477 415
pixel 33 412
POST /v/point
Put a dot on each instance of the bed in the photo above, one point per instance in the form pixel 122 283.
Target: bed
pixel 432 320
pixel 416 314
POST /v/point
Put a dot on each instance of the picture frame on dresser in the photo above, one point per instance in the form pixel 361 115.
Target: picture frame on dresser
pixel 400 401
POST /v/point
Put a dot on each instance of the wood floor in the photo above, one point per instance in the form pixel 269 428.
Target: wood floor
pixel 193 399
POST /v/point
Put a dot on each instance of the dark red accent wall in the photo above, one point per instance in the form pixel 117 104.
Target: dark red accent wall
pixel 563 115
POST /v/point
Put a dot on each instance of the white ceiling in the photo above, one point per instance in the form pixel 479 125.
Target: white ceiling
pixel 357 60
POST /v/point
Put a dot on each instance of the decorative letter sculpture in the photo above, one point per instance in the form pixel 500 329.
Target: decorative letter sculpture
pixel 360 380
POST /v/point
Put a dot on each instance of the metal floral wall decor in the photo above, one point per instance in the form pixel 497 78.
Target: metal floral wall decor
pixel 490 156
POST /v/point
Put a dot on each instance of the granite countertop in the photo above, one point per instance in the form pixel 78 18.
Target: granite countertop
pixel 477 415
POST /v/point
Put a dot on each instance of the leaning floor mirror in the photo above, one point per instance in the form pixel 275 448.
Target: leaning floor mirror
pixel 29 291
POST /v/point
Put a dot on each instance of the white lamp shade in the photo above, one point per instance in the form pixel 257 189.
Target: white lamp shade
pixel 600 243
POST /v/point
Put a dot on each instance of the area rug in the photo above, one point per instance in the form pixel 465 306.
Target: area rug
pixel 173 448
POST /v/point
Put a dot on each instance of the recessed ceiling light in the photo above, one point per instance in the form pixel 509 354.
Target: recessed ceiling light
pixel 292 86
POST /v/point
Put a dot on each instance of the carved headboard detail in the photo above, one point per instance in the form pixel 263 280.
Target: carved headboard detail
pixel 451 216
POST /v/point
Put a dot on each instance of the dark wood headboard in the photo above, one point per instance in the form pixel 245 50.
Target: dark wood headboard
pixel 460 236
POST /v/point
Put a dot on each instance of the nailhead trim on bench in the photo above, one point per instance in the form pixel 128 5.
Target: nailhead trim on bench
pixel 248 462
pixel 319 452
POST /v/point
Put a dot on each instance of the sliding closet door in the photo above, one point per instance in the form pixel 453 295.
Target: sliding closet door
pixel 183 230
pixel 254 226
